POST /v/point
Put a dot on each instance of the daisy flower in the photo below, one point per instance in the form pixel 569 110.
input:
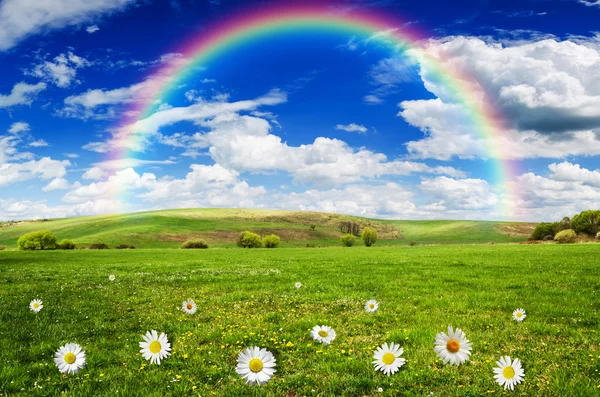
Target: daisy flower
pixel 453 348
pixel 69 358
pixel 509 373
pixel 256 365
pixel 519 315
pixel 323 334
pixel 387 359
pixel 154 347
pixel 112 277
pixel 36 305
pixel 298 284
pixel 371 306
pixel 189 306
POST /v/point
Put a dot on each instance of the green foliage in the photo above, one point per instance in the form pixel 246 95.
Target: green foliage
pixel 66 245
pixel 248 239
pixel 350 227
pixel 348 240
pixel 124 247
pixel 271 241
pixel 542 230
pixel 2 247
pixel 369 236
pixel 565 237
pixel 195 244
pixel 98 246
pixel 586 222
pixel 40 240
pixel 313 226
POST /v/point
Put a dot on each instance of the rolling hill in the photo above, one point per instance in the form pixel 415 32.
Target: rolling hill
pixel 220 228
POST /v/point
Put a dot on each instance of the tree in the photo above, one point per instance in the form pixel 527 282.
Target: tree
pixel 350 227
pixel 348 240
pixel 42 240
pixel 542 230
pixel 586 222
pixel 369 236
pixel 248 239
pixel 271 241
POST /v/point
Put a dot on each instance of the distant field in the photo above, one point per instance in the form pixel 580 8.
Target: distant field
pixel 220 227
pixel 247 297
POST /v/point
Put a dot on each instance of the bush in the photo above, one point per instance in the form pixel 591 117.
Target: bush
pixel 248 239
pixel 412 243
pixel 369 236
pixel 42 240
pixel 313 227
pixel 66 245
pixel 548 237
pixel 566 236
pixel 348 240
pixel 271 241
pixel 98 246
pixel 194 244
pixel 124 247
pixel 542 230
pixel 586 222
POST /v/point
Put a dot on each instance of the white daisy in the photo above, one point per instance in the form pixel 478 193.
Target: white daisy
pixel 298 284
pixel 509 373
pixel 112 277
pixel 69 358
pixel 371 306
pixel 189 306
pixel 256 365
pixel 453 348
pixel 36 305
pixel 519 315
pixel 154 347
pixel 323 334
pixel 387 359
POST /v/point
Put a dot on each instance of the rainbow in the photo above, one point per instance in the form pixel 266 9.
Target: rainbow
pixel 250 26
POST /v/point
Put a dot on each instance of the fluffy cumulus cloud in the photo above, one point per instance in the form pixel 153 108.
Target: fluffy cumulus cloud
pixel 21 94
pixel 12 209
pixel 45 168
pixel 548 92
pixel 60 71
pixel 22 18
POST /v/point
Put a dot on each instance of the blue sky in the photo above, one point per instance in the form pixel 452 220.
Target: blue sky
pixel 352 125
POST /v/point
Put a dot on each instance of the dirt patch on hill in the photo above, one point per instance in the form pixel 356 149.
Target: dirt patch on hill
pixel 516 229
pixel 231 236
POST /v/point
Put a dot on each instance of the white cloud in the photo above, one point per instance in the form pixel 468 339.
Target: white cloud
pixel 569 172
pixel 20 19
pixel 590 3
pixel 71 155
pixel 92 29
pixel 94 173
pixel 18 127
pixel 61 71
pixel 39 143
pixel 57 184
pixel 130 163
pixel 352 127
pixel 21 94
pixel 461 194
pixel 11 209
pixel 45 168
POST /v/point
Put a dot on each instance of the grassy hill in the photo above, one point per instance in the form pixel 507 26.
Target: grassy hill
pixel 220 228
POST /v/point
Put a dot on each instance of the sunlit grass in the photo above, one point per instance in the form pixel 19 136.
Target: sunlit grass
pixel 248 297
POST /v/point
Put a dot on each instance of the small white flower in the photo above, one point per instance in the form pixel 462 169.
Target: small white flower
pixel 509 373
pixel 387 358
pixel 380 390
pixel 154 347
pixel 189 306
pixel 69 358
pixel 36 305
pixel 298 284
pixel 323 334
pixel 519 315
pixel 256 365
pixel 371 306
pixel 453 348
pixel 112 277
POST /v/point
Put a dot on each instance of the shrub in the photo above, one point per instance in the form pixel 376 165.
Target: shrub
pixel 413 243
pixel 124 247
pixel 548 237
pixel 98 246
pixel 369 236
pixel 2 247
pixel 195 244
pixel 313 227
pixel 586 222
pixel 542 230
pixel 566 236
pixel 271 241
pixel 348 240
pixel 66 245
pixel 42 240
pixel 248 239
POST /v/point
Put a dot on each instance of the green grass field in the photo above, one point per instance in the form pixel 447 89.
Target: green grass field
pixel 247 297
pixel 220 227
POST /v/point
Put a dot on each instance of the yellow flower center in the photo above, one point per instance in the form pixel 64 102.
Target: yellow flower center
pixel 453 346
pixel 371 306
pixel 519 314
pixel 323 334
pixel 509 372
pixel 388 358
pixel 189 306
pixel 36 305
pixel 256 365
pixel 69 358
pixel 155 347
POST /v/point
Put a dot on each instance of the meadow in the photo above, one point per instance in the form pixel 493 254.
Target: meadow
pixel 247 297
